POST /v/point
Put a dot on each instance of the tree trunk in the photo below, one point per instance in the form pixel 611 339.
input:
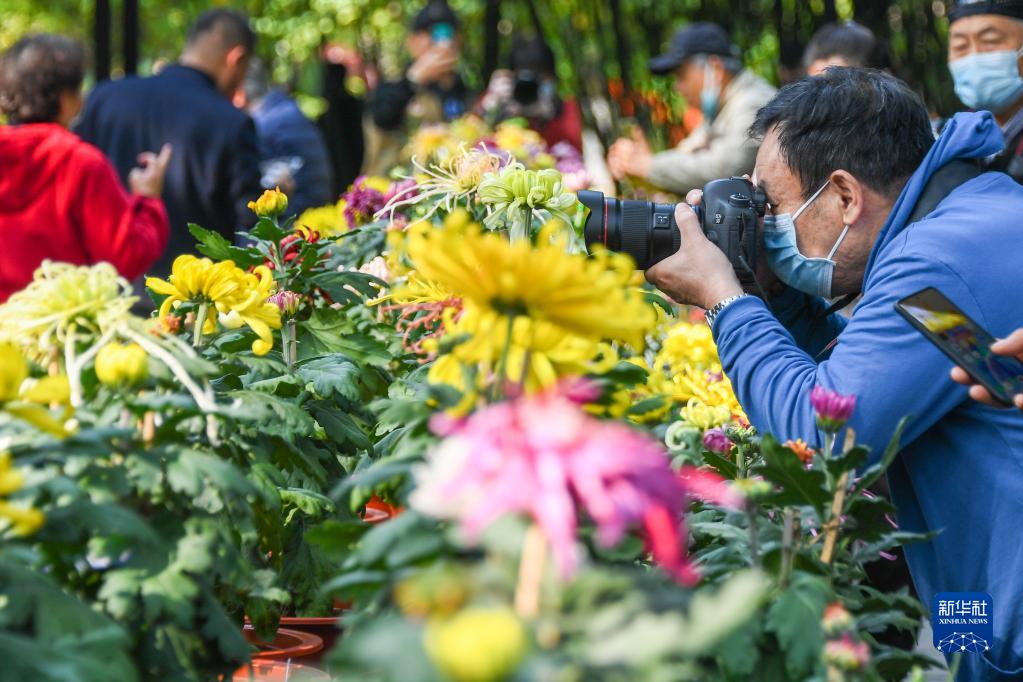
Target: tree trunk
pixel 101 40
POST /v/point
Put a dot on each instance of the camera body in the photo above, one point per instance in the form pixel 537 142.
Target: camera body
pixel 729 214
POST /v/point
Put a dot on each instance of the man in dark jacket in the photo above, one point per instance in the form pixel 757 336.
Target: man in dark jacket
pixel 292 151
pixel 430 91
pixel 215 169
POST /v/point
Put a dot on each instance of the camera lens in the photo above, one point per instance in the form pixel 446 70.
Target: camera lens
pixel 644 230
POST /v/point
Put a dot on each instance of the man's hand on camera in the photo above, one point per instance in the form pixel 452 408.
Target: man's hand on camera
pixel 1011 345
pixel 767 283
pixel 698 273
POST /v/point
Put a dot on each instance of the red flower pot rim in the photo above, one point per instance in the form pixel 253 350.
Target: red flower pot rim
pixel 278 671
pixel 286 644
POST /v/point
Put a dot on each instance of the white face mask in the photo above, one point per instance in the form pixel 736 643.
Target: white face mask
pixel 810 275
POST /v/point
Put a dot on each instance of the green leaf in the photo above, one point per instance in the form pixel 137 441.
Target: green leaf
pixel 275 416
pixel 336 538
pixel 267 230
pixel 214 245
pixel 721 464
pixel 875 472
pixel 332 373
pixel 192 471
pixel 852 459
pixel 340 427
pixel 310 503
pixel 322 333
pixel 368 652
pixel 800 486
pixel 795 618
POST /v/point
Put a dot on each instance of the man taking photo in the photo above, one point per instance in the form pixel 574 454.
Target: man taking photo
pixel 845 160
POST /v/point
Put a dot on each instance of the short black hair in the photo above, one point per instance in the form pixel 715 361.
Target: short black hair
pixel 34 73
pixel 866 122
pixel 435 12
pixel 531 54
pixel 232 25
pixel 855 43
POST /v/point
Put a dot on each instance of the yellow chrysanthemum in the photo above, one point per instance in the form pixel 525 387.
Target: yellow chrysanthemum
pixel 376 182
pixel 549 351
pixel 327 221
pixel 704 416
pixel 468 129
pixel 518 140
pixel 477 644
pixel 688 344
pixel 239 296
pixel 197 280
pixel 51 390
pixel 430 142
pixel 22 520
pixel 121 364
pixel 60 297
pixel 580 296
pixel 13 371
pixel 253 309
pixel 271 203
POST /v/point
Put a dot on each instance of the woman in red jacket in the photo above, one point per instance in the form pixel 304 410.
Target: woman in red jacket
pixel 60 199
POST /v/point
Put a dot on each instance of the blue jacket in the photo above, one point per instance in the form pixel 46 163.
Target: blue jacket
pixel 214 171
pixel 961 469
pixel 283 130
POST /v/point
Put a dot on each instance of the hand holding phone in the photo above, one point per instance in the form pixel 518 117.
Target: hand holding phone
pixel 1012 345
pixel 991 368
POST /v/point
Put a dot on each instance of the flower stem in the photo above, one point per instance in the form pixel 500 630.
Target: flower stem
pixel 497 390
pixel 787 550
pixel 292 343
pixel 837 503
pixel 754 541
pixel 527 590
pixel 200 322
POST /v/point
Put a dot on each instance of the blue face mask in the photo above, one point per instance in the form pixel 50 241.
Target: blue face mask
pixel 710 94
pixel 988 80
pixel 810 275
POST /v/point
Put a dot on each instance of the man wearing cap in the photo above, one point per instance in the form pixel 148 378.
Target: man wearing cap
pixel 985 41
pixel 710 76
pixel 430 90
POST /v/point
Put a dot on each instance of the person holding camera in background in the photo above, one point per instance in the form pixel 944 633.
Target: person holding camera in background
pixel 862 200
pixel 430 90
pixel 528 88
pixel 985 44
pixel 709 76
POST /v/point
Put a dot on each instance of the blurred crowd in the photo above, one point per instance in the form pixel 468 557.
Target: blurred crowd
pixel 121 175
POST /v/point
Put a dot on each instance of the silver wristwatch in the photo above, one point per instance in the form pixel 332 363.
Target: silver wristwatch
pixel 712 314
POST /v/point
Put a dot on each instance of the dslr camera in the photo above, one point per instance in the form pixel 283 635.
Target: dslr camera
pixel 729 214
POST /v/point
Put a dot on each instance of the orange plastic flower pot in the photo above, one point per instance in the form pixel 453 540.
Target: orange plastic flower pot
pixel 286 645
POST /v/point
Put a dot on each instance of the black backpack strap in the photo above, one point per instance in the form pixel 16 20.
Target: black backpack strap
pixel 941 184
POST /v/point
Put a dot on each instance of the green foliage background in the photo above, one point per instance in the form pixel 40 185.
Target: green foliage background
pixel 593 39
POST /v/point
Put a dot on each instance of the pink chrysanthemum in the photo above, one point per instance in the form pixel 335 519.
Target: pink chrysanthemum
pixel 544 456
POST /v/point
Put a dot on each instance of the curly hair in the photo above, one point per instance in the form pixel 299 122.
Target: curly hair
pixel 34 73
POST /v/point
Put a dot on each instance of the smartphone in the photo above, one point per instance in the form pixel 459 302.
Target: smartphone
pixel 964 341
pixel 442 33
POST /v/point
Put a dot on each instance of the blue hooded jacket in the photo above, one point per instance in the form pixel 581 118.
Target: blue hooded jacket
pixel 961 468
